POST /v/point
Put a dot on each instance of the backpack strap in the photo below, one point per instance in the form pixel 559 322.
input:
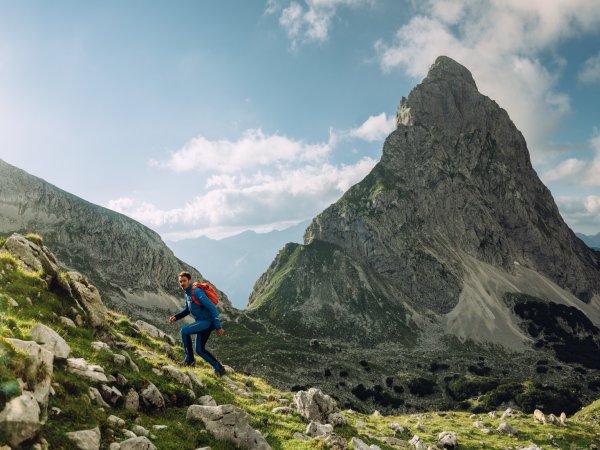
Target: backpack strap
pixel 194 287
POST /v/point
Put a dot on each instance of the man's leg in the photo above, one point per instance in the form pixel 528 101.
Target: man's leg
pixel 201 341
pixel 186 339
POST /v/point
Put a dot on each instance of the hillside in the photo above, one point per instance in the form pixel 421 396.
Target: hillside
pixel 75 374
pixel 128 262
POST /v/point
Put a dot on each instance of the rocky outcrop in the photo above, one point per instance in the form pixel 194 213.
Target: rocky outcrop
pixel 228 423
pixel 85 439
pixel 35 257
pixel 152 398
pixel 41 371
pixel 50 340
pixel 89 297
pixel 316 406
pixel 90 372
pixel 20 419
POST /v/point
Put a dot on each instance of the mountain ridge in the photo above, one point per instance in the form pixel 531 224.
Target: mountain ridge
pixel 126 260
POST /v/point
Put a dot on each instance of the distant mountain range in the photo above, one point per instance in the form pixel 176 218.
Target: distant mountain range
pixel 590 241
pixel 235 263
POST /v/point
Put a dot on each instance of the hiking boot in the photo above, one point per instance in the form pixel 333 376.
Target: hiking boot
pixel 220 371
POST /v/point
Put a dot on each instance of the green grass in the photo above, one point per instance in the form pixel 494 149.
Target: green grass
pixel 36 304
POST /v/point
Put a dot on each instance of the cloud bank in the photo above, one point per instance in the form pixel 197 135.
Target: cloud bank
pixel 260 181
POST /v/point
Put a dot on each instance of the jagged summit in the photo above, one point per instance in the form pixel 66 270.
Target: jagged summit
pixel 451 215
pixel 446 69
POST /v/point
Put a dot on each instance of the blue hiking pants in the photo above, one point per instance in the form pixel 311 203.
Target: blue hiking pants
pixel 202 328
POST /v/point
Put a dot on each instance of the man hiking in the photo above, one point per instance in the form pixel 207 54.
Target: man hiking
pixel 207 319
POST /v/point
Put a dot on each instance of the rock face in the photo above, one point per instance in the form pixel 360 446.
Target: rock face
pixel 453 209
pixel 229 423
pixel 126 261
pixel 314 405
pixel 20 419
pixel 43 367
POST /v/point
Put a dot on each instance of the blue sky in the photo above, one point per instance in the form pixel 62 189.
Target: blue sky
pixel 210 118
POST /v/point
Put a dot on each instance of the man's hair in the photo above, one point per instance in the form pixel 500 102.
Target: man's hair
pixel 185 274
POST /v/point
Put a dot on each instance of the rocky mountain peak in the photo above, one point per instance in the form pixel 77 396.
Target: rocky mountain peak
pixel 445 69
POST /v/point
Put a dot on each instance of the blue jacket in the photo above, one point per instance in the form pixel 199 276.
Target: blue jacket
pixel 205 311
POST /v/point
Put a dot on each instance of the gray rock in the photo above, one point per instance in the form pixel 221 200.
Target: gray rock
pixel 448 439
pixel 396 427
pixel 90 299
pixel 137 443
pixel 314 405
pixel 228 423
pixel 90 372
pixel 195 380
pixel 98 346
pixel 110 394
pixel 337 419
pixel 283 410
pixel 85 439
pixel 152 398
pixel 505 428
pixel 119 360
pixel 539 416
pixel 122 380
pixel 207 400
pixel 43 360
pixel 395 442
pixel 67 322
pixel 417 443
pixel 50 340
pixel 97 398
pixel 35 258
pixel 115 421
pixel 129 434
pixel 358 444
pixel 178 376
pixel 140 431
pixel 153 331
pixel 20 419
pixel 316 429
pixel 132 400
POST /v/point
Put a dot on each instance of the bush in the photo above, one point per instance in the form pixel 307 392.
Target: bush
pixel 468 387
pixel 35 238
pixel 421 387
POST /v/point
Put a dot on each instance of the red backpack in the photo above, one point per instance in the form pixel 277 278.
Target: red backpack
pixel 208 290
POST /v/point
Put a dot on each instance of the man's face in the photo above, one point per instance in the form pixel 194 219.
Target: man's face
pixel 184 282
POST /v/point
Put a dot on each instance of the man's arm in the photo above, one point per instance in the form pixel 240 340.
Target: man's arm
pixel 181 314
pixel 201 296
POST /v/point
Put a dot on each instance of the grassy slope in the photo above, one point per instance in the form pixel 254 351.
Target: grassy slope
pixel 36 304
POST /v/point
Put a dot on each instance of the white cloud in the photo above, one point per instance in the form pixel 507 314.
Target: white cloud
pixel 569 169
pixel 240 202
pixel 375 128
pixel 590 73
pixel 585 173
pixel 309 21
pixel 581 213
pixel 253 150
pixel 500 42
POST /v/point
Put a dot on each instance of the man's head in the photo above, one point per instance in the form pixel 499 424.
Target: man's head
pixel 184 279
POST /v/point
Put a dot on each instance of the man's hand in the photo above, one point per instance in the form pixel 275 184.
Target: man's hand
pixel 171 320
pixel 220 332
